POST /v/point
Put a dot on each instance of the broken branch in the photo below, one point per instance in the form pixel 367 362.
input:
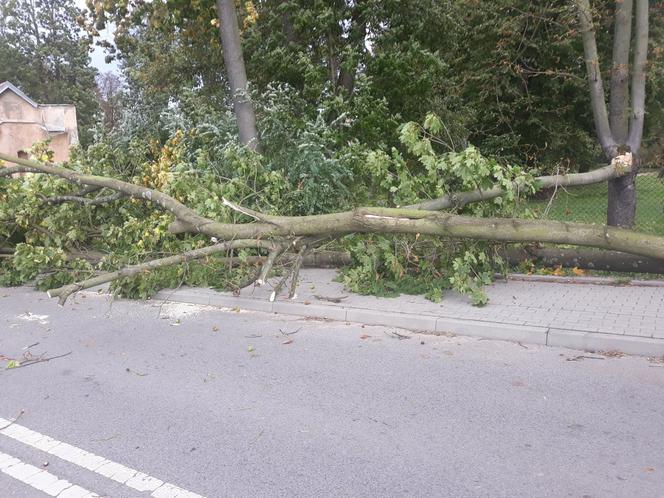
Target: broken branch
pixel 64 292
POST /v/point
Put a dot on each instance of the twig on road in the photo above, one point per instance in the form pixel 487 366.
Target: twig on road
pixel 287 335
pixel 330 299
pixel 397 335
pixel 13 421
pixel 129 370
pixel 31 360
pixel 290 333
pixel 581 357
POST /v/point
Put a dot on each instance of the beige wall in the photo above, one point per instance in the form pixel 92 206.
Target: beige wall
pixel 21 125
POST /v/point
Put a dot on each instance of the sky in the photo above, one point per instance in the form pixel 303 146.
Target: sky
pixel 98 55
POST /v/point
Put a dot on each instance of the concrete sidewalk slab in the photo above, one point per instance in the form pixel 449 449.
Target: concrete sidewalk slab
pixel 588 317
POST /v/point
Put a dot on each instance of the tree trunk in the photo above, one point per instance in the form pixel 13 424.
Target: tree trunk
pixel 595 83
pixel 588 259
pixel 237 74
pixel 621 133
pixel 621 208
pixel 622 191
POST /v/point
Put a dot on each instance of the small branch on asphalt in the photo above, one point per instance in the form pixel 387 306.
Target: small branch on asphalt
pixel 330 299
pixel 397 335
pixel 32 360
pixel 290 333
pixel 20 414
pixel 129 370
pixel 581 357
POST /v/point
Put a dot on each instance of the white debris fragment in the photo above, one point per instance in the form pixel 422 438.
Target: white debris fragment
pixel 31 317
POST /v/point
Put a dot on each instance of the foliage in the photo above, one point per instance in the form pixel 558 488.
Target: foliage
pixel 481 87
pixel 199 165
pixel 387 265
pixel 507 75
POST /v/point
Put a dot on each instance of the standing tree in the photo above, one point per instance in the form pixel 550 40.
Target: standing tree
pixel 45 52
pixel 237 74
pixel 109 92
pixel 620 129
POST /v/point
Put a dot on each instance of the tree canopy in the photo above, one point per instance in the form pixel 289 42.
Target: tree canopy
pixel 45 52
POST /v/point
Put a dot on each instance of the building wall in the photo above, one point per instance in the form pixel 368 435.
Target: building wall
pixel 21 125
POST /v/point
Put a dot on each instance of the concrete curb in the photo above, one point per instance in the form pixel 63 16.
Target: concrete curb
pixel 431 324
pixel 581 280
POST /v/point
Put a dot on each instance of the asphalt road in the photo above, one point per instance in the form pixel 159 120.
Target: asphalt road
pixel 225 403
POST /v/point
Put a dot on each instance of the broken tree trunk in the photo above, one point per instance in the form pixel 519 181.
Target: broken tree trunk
pixel 617 130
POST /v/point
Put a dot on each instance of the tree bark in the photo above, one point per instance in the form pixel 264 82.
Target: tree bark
pixel 595 82
pixel 619 166
pixel 237 74
pixel 621 208
pixel 622 133
pixel 619 102
pixel 587 259
pixel 639 76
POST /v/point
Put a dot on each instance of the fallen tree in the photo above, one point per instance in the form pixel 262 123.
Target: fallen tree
pixel 300 234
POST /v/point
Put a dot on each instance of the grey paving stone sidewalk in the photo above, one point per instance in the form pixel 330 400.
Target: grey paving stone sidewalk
pixel 591 317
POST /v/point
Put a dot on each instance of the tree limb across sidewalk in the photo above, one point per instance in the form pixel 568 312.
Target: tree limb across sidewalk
pixel 301 233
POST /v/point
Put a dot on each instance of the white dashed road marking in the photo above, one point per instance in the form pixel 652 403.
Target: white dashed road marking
pixel 95 463
pixel 41 479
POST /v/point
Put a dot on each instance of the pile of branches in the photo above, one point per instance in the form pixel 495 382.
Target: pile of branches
pixel 298 235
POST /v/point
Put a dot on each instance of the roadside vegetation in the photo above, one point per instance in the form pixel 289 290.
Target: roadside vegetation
pixel 343 104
